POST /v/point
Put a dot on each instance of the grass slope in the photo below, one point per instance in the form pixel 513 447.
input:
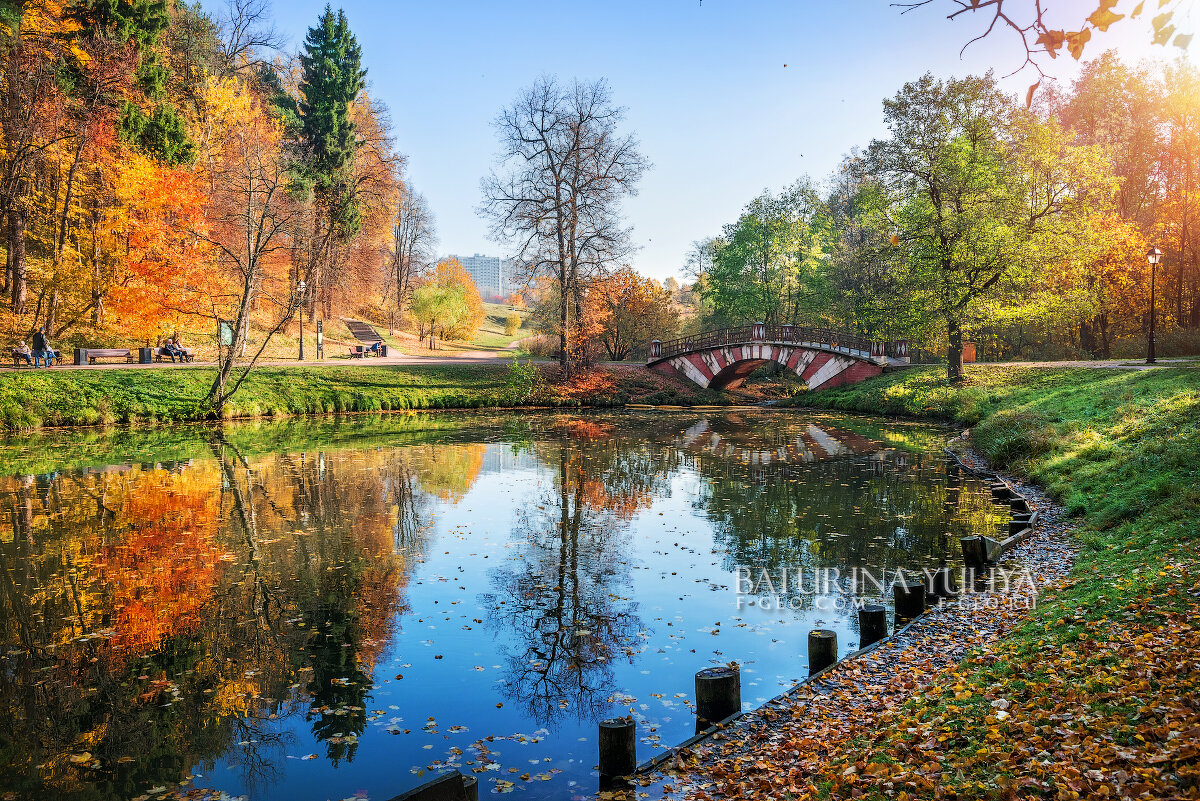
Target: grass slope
pixel 1094 694
pixel 31 399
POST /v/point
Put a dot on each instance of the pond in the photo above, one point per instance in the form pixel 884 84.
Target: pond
pixel 331 609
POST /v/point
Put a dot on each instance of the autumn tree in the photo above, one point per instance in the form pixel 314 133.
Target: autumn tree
pixel 450 274
pixel 439 309
pixel 31 39
pixel 149 120
pixel 637 310
pixel 512 323
pixel 564 168
pixel 1044 30
pixel 976 192
pixel 766 266
pixel 250 230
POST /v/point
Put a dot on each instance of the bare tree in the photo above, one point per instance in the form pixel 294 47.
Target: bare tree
pixel 563 171
pixel 414 239
pixel 700 257
pixel 246 31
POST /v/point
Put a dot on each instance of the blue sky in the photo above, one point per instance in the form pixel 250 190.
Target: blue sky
pixel 705 86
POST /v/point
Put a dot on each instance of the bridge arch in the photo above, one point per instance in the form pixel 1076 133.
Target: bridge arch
pixel 821 357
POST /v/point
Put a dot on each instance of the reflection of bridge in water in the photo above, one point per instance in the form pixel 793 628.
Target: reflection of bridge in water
pixel 821 357
pixel 812 444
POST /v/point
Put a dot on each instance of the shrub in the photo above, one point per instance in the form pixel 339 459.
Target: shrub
pixel 523 380
pixel 512 323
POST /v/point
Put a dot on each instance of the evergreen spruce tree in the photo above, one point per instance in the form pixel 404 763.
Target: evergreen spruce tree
pixel 332 80
pixel 159 133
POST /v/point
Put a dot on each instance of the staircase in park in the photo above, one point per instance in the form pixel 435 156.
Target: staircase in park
pixel 362 332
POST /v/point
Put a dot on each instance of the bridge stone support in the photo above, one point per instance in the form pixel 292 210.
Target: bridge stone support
pixel 819 367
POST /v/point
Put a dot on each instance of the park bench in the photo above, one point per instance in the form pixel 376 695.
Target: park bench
pixel 89 355
pixel 161 354
pixel 19 358
pixel 361 351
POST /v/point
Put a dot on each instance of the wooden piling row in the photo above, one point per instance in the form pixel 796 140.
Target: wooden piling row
pixel 980 551
pixel 718 689
pixel 909 598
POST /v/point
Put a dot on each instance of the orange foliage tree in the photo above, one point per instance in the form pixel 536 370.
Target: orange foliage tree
pixel 635 310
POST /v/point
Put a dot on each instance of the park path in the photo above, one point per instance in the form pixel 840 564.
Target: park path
pixel 463 357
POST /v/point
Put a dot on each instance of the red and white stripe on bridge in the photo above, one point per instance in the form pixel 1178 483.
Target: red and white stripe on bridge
pixel 729 366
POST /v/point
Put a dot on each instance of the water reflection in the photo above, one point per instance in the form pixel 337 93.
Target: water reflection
pixel 237 601
pixel 561 603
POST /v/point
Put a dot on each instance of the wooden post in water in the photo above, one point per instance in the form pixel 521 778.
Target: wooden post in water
pixel 718 695
pixel 973 553
pixel 909 597
pixel 942 583
pixel 1018 504
pixel 822 649
pixel 872 624
pixel 452 786
pixel 618 747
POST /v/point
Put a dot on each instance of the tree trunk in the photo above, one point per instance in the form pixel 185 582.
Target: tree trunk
pixel 52 313
pixel 564 340
pixel 954 363
pixel 97 295
pixel 16 247
pixel 6 281
pixel 1105 351
pixel 1087 338
pixel 66 210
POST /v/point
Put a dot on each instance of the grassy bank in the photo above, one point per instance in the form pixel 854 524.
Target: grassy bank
pixel 1093 694
pixel 32 399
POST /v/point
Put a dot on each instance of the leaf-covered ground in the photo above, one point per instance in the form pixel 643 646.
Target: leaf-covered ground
pixel 1094 693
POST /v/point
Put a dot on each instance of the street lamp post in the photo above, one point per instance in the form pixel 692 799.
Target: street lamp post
pixel 300 286
pixel 1154 256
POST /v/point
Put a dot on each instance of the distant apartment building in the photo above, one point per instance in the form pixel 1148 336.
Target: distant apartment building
pixel 492 275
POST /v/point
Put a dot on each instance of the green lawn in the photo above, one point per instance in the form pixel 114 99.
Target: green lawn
pixel 31 399
pixel 490 335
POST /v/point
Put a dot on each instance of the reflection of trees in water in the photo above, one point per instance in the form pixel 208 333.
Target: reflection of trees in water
pixel 808 497
pixel 560 601
pixel 161 618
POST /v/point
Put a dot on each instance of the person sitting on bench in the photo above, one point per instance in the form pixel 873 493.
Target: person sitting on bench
pixel 375 347
pixel 22 350
pixel 174 350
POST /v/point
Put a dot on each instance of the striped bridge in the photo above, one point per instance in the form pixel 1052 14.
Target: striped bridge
pixel 822 357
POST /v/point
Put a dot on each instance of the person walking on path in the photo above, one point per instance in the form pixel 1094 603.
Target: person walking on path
pixel 41 348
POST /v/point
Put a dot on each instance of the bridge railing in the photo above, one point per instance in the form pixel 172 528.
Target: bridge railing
pixel 760 332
